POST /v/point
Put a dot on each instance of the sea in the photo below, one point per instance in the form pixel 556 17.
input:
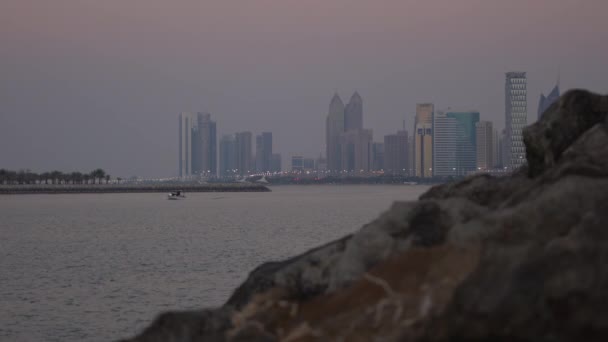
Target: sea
pixel 100 267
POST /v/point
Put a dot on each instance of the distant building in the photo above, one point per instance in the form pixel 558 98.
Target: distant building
pixel 378 156
pixel 502 145
pixel 197 145
pixel 228 156
pixel 497 160
pixel 321 164
pixel 244 160
pixel 485 145
pixel 447 133
pixel 545 102
pixel 356 147
pixel 410 155
pixel 334 129
pixel 263 143
pixel 308 164
pixel 396 153
pixel 297 163
pixel 455 143
pixel 353 113
pixel 516 118
pixel 423 140
pixel 208 142
pixel 187 123
pixel 275 163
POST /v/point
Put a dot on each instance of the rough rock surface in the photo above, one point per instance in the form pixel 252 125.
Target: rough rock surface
pixel 515 258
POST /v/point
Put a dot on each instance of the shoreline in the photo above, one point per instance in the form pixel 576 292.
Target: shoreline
pixel 113 188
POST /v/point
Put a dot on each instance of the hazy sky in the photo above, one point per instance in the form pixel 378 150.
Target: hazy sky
pixel 86 84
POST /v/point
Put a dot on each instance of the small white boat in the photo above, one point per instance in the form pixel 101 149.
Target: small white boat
pixel 175 195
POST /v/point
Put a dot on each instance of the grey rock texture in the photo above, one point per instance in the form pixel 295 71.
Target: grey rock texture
pixel 515 258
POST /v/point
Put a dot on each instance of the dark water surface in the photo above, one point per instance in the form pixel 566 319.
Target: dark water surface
pixel 96 267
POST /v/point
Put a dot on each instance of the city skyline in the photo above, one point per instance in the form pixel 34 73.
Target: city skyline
pixel 96 83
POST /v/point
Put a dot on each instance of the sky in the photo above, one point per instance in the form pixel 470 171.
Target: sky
pixel 87 84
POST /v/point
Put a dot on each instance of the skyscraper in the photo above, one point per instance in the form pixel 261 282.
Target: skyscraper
pixel 207 164
pixel 263 144
pixel 334 129
pixel 485 145
pixel 187 123
pixel 516 118
pixel 467 141
pixel 227 156
pixel 197 145
pixel 454 143
pixel 446 137
pixel 378 156
pixel 244 159
pixel 356 147
pixel 423 140
pixel 353 113
pixel 396 153
pixel 545 102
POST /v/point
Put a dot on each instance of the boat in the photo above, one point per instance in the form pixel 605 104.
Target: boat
pixel 175 195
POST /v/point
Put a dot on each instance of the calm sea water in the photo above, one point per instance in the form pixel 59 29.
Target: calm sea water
pixel 96 267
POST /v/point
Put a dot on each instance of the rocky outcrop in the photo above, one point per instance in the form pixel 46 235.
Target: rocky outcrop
pixel 515 258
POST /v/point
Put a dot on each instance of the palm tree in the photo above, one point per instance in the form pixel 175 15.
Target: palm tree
pixel 118 179
pixel 98 173
pixel 55 177
pixel 3 176
pixel 86 178
pixel 45 177
pixel 76 177
pixel 107 178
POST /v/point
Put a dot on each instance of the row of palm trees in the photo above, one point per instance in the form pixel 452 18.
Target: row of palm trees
pixel 54 177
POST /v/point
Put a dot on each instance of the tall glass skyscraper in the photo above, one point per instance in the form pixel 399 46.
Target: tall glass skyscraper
pixel 516 118
pixel 454 143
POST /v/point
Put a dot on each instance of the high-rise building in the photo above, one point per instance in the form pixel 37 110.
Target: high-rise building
pixel 446 138
pixel 396 153
pixel 353 113
pixel 244 161
pixel 356 147
pixel 545 102
pixel 516 118
pixel 275 162
pixel 297 163
pixel 454 143
pixel 496 150
pixel 467 143
pixel 485 145
pixel 423 140
pixel 263 144
pixel 334 129
pixel 378 156
pixel 227 156
pixel 502 144
pixel 410 156
pixel 187 123
pixel 197 145
pixel 208 143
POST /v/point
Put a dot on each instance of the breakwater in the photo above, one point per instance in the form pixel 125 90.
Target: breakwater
pixel 128 188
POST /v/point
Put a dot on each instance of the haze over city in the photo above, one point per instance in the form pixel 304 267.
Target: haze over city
pixel 101 84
